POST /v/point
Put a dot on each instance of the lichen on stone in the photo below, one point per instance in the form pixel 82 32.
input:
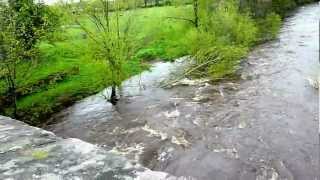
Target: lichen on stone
pixel 40 154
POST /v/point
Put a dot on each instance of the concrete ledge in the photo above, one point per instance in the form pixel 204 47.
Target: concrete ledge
pixel 31 153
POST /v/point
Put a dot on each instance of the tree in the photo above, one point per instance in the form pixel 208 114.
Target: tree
pixel 157 2
pixel 111 39
pixel 196 13
pixel 33 21
pixel 11 56
pixel 195 20
pixel 200 13
pixel 20 30
pixel 202 10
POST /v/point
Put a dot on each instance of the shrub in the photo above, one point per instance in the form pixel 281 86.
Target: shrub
pixel 283 6
pixel 229 63
pixel 269 26
pixel 227 35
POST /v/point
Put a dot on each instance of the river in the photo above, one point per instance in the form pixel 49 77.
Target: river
pixel 264 126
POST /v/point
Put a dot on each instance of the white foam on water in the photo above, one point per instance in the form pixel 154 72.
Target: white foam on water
pixel 172 114
pixel 314 82
pixel 123 150
pixel 232 152
pixel 181 141
pixel 155 133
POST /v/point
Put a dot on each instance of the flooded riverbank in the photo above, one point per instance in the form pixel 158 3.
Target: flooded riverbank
pixel 264 126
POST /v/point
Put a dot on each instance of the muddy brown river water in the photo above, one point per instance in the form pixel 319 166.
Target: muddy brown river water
pixel 262 127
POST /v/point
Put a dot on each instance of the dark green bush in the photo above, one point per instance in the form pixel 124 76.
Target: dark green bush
pixel 269 26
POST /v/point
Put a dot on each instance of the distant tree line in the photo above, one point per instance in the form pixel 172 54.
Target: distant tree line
pixel 130 4
pixel 258 8
pixel 263 7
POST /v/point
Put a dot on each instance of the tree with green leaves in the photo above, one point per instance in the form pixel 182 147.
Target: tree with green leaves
pixel 33 22
pixel 22 25
pixel 11 54
pixel 110 37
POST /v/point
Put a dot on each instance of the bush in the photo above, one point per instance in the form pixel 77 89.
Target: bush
pixel 151 53
pixel 283 6
pixel 228 65
pixel 269 26
pixel 227 22
pixel 227 34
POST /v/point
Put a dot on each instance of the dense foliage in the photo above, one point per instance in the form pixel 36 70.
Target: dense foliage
pixel 110 38
pixel 32 21
pixel 281 7
pixel 22 25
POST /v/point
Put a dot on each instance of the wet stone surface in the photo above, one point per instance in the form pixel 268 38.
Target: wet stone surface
pixel 30 153
pixel 262 127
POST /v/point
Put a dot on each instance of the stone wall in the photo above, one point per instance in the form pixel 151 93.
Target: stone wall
pixel 31 153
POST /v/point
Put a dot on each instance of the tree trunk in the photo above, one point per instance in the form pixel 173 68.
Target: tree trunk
pixel 145 3
pixel 12 92
pixel 196 12
pixel 13 100
pixel 15 105
pixel 157 3
pixel 241 5
pixel 113 98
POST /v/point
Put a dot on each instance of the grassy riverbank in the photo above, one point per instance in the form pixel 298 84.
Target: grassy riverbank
pixel 65 71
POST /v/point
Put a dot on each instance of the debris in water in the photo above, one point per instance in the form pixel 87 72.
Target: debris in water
pixel 155 133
